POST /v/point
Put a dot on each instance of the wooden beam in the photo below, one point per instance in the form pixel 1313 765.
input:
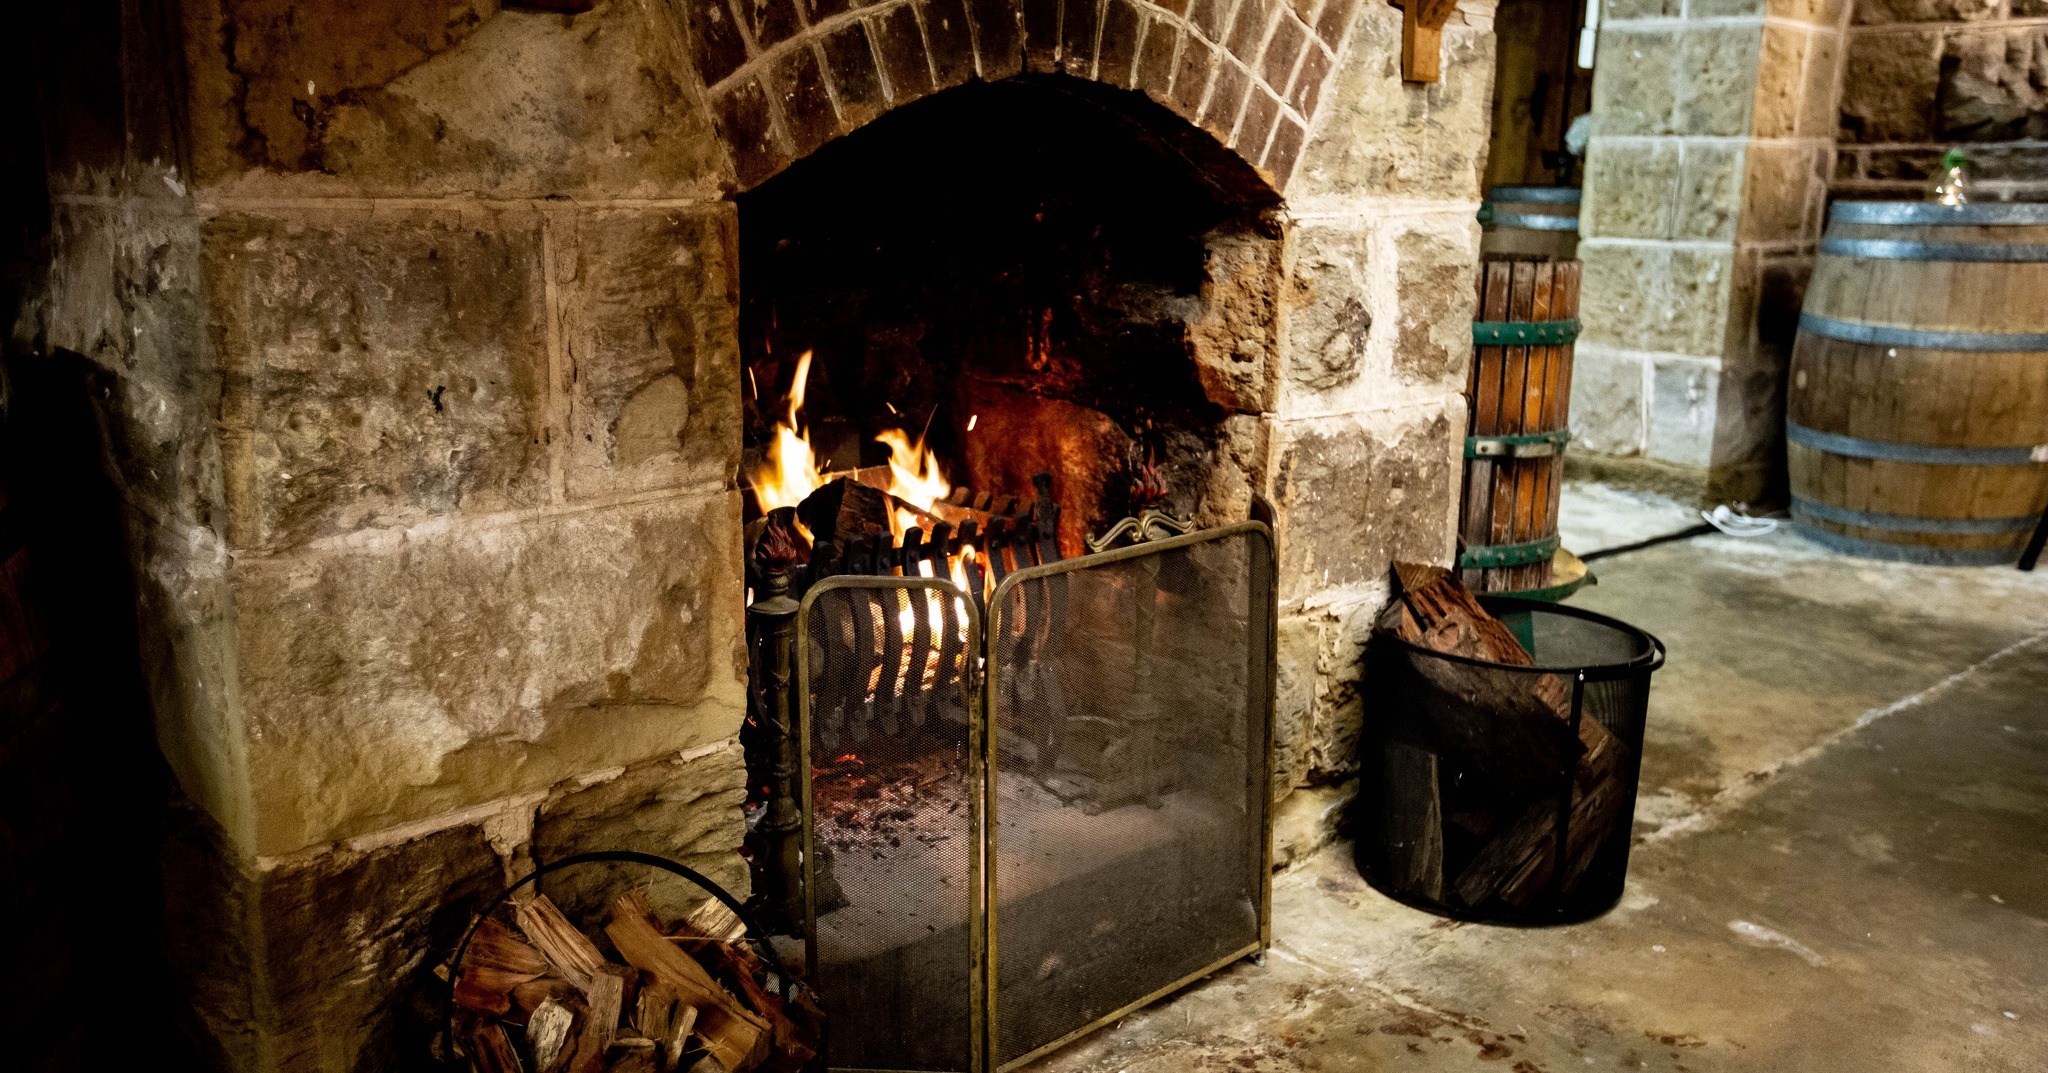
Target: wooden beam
pixel 1422 38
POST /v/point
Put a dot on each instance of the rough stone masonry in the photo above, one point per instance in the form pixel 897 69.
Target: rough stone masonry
pixel 414 330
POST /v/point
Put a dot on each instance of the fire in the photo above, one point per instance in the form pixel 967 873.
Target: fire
pixel 915 476
pixel 789 472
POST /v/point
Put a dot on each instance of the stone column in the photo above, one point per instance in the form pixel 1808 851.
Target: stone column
pixel 1713 128
pixel 1368 432
pixel 417 330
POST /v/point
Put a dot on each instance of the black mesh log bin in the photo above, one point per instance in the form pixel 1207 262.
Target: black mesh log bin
pixel 1499 793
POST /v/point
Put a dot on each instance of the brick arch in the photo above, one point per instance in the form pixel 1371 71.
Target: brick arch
pixel 786 76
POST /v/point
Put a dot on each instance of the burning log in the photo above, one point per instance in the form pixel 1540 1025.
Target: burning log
pixel 844 510
pixel 690 1000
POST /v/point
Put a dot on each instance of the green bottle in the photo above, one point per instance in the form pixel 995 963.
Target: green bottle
pixel 1951 180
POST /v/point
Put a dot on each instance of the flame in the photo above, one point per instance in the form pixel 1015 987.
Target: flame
pixel 789 468
pixel 789 472
pixel 915 476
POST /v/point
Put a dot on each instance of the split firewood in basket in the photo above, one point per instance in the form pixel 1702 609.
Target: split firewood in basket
pixel 1515 728
pixel 633 1055
pixel 714 935
pixel 491 1050
pixel 735 1035
pixel 496 963
pixel 568 951
pixel 1508 727
pixel 548 1036
pixel 1519 862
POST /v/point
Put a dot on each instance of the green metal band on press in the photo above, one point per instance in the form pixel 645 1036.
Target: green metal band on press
pixel 1522 445
pixel 1551 594
pixel 1489 556
pixel 1524 332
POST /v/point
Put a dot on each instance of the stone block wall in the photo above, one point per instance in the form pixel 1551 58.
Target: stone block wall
pixel 1925 76
pixel 415 330
pixel 1368 433
pixel 1714 124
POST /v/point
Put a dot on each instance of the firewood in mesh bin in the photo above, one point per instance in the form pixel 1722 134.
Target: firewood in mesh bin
pixel 1511 729
pixel 544 997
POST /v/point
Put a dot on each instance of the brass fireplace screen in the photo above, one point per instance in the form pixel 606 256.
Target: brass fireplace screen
pixel 1014 836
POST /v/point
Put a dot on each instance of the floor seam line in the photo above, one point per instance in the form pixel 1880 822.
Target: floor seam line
pixel 1754 782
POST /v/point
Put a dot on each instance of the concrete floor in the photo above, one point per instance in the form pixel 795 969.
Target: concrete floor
pixel 1842 860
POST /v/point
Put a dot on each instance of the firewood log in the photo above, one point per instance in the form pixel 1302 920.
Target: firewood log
pixel 527 997
pixel 655 1010
pixel 590 1040
pixel 845 509
pixel 495 963
pixel 494 945
pixel 547 1036
pixel 1520 861
pixel 735 1035
pixel 1411 819
pixel 491 1051
pixel 714 920
pixel 633 1055
pixel 607 997
pixel 679 1031
pixel 568 951
pixel 1511 729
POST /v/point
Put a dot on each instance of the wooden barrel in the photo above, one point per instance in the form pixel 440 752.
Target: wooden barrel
pixel 1517 400
pixel 1531 221
pixel 1917 417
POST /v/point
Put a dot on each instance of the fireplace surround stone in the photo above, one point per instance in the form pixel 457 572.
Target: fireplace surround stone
pixel 415 330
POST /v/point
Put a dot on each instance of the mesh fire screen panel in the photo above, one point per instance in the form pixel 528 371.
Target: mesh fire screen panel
pixel 1130 697
pixel 893 821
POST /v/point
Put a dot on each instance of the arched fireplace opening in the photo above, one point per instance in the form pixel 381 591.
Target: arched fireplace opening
pixel 979 332
pixel 1035 275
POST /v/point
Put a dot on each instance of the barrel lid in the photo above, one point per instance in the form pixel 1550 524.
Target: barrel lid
pixel 1543 195
pixel 1928 212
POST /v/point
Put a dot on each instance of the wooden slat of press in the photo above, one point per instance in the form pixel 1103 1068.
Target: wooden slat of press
pixel 1531 507
pixel 1494 281
pixel 1477 492
pixel 1515 366
pixel 1499 299
pixel 1486 364
pixel 1565 306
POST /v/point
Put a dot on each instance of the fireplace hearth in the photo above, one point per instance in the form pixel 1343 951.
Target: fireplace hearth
pixel 988 389
pixel 1013 836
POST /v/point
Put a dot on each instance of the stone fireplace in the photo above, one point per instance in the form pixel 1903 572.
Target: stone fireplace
pixel 428 342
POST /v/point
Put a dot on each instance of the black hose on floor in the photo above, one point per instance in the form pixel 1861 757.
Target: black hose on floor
pixel 1667 538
